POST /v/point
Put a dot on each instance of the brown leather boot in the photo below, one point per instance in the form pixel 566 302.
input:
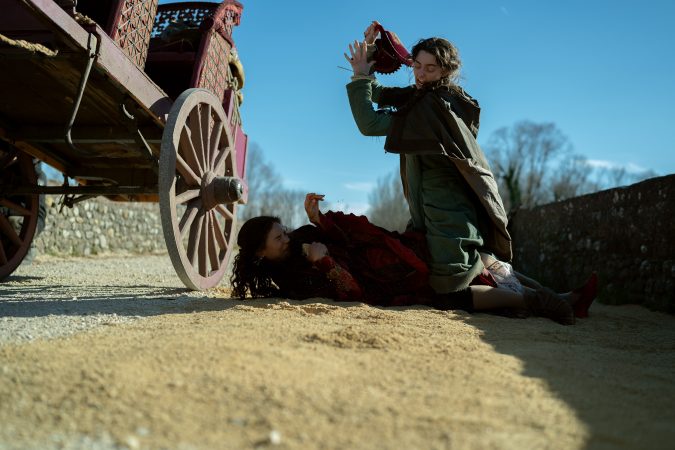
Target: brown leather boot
pixel 544 302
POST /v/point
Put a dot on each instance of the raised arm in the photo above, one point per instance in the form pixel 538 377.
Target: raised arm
pixel 363 91
pixel 325 223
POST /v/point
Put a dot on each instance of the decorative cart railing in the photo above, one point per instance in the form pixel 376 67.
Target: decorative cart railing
pixel 129 111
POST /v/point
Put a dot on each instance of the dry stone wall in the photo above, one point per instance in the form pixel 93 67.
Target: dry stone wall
pixel 100 226
pixel 625 234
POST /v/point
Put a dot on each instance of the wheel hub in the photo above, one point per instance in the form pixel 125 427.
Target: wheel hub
pixel 216 190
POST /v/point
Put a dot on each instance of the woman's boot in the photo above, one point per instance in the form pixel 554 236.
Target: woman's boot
pixel 587 294
pixel 543 302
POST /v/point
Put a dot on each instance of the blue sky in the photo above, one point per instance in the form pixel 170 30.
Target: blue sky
pixel 603 71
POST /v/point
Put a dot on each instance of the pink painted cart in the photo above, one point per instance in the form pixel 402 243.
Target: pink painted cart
pixel 132 101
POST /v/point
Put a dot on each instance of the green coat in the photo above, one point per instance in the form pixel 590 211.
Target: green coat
pixel 451 192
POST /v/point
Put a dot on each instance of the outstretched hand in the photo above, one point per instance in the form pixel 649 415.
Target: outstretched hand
pixel 358 58
pixel 312 207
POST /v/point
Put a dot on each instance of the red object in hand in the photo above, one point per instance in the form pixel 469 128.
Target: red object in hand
pixel 390 53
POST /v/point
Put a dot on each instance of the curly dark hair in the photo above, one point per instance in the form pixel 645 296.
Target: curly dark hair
pixel 446 55
pixel 249 272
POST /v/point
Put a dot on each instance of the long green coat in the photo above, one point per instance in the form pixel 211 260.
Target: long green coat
pixel 451 192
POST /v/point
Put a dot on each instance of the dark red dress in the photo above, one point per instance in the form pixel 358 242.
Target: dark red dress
pixel 366 263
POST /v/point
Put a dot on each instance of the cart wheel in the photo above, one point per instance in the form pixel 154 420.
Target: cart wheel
pixel 198 188
pixel 18 213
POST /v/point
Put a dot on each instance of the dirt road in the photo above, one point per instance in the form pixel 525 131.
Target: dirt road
pixel 107 353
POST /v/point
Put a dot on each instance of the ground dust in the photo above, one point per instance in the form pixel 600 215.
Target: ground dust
pixel 224 373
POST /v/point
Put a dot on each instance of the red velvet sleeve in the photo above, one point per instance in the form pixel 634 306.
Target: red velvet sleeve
pixel 346 287
pixel 328 226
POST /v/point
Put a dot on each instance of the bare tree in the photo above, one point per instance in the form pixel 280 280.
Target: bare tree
pixel 609 177
pixel 640 176
pixel 266 193
pixel 523 156
pixel 388 207
pixel 572 178
pixel 534 164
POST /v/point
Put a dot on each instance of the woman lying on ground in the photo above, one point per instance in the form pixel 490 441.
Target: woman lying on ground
pixel 346 258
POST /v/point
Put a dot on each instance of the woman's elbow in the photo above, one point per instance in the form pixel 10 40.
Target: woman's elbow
pixel 369 128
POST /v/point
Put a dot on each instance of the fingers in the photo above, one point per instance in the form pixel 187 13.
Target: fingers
pixel 368 34
pixel 371 32
pixel 357 50
pixel 354 53
pixel 312 204
pixel 363 47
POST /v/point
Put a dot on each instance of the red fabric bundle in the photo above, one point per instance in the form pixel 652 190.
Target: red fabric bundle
pixel 390 53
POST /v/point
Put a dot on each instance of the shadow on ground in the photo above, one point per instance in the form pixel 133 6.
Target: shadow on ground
pixel 613 369
pixel 124 301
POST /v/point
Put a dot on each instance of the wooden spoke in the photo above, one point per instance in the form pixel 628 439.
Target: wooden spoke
pixel 221 159
pixel 195 238
pixel 214 147
pixel 20 210
pixel 187 219
pixel 184 169
pixel 219 235
pixel 195 124
pixel 196 134
pixel 224 212
pixel 202 245
pixel 205 121
pixel 189 152
pixel 211 242
pixel 187 196
pixel 8 230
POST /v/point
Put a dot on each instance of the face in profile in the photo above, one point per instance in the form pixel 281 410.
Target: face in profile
pixel 426 69
pixel 277 246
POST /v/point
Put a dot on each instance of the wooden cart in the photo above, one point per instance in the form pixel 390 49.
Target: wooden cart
pixel 74 94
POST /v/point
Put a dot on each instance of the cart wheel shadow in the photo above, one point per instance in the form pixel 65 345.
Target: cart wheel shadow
pixel 22 278
pixel 134 301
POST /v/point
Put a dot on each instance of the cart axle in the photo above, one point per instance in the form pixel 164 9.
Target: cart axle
pixel 218 190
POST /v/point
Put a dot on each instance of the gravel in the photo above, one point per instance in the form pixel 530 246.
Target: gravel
pixel 55 297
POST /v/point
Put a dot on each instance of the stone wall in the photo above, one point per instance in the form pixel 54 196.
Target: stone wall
pixel 625 234
pixel 99 226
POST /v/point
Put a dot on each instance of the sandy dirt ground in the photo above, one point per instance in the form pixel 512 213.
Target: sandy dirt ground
pixel 162 367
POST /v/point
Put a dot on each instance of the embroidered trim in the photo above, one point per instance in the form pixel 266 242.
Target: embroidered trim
pixel 363 77
pixel 345 285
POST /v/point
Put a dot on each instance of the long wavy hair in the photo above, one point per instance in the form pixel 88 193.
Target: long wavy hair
pixel 249 273
pixel 447 57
